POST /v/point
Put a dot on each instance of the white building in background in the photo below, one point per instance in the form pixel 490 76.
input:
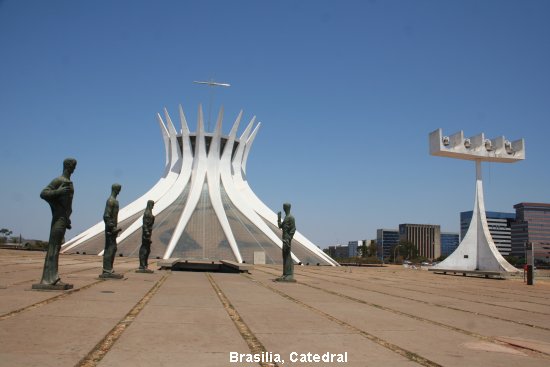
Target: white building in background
pixel 354 248
pixel 204 207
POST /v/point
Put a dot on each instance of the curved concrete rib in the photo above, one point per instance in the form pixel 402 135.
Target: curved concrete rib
pixel 193 171
pixel 213 175
pixel 162 185
pixel 177 188
pixel 197 181
pixel 262 209
pixel 248 145
pixel 236 197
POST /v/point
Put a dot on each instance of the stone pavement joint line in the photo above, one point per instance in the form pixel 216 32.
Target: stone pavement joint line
pixel 41 266
pixel 394 348
pixel 63 274
pixel 419 301
pixel 47 301
pixel 96 355
pixel 53 299
pixel 501 290
pixel 436 304
pixel 454 328
pixel 254 344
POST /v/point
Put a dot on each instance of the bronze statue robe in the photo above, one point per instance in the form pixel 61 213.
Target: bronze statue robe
pixel 288 226
pixel 110 217
pixel 59 194
pixel 147 229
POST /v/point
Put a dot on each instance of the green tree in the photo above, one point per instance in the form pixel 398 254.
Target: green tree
pixel 364 249
pixel 404 249
pixel 515 261
pixel 5 234
pixel 372 249
pixel 394 254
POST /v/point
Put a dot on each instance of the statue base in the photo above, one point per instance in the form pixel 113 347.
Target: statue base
pixel 145 271
pixel 286 279
pixel 52 287
pixel 110 276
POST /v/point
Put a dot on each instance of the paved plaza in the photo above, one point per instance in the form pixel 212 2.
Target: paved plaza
pixel 367 316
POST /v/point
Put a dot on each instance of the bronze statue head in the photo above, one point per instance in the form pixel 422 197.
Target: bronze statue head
pixel 286 208
pixel 115 189
pixel 69 165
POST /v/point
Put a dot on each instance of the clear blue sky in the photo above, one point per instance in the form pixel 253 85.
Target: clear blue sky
pixel 347 93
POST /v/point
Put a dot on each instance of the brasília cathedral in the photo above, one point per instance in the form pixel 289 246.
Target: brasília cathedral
pixel 204 207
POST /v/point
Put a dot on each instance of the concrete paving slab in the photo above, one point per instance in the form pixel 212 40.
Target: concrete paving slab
pixel 471 321
pixel 177 338
pixel 171 359
pixel 191 335
pixel 181 315
pixel 296 329
pixel 14 298
pixel 406 332
pixel 527 343
pixel 523 305
pixel 186 289
pixel 52 334
pixel 360 351
pixel 42 359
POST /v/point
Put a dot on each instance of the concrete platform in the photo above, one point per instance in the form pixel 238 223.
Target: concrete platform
pixel 479 273
pixel 379 316
pixel 242 268
pixel 225 266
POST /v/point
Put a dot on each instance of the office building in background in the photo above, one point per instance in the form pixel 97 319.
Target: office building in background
pixel 386 239
pixel 426 238
pixel 532 225
pixel 449 242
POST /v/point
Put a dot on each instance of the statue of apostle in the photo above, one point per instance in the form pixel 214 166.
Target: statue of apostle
pixel 59 194
pixel 147 230
pixel 288 225
pixel 110 217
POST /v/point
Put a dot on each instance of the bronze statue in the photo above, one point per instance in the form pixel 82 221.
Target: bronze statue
pixel 59 194
pixel 147 229
pixel 110 217
pixel 288 225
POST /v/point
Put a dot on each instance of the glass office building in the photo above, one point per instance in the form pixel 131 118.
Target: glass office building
pixel 449 242
pixel 386 239
pixel 532 225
